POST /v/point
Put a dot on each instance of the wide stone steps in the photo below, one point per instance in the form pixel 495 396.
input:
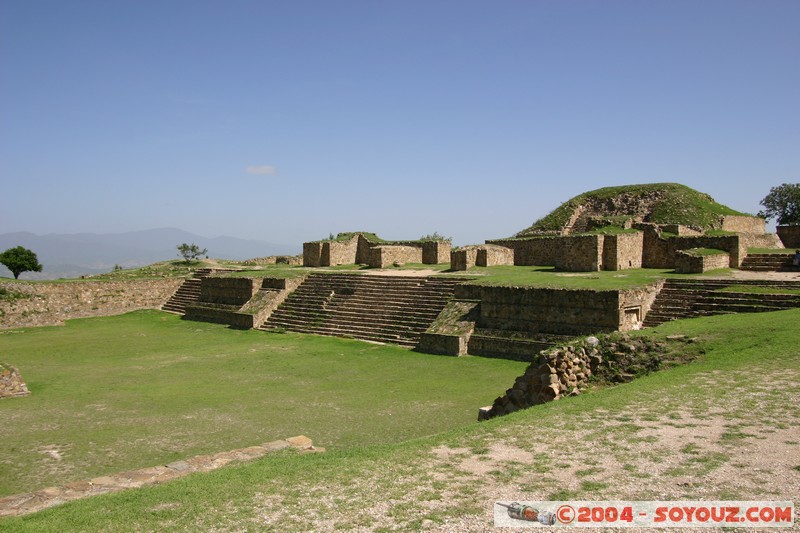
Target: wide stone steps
pixel 689 298
pixel 187 293
pixel 374 313
pixel 408 296
pixel 370 337
pixel 393 309
pixel 768 262
pixel 388 333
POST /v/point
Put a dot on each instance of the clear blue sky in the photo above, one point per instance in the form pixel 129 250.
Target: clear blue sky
pixel 287 120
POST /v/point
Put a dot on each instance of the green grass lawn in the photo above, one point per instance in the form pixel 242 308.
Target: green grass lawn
pixel 146 388
pixel 787 251
pixel 607 444
pixel 545 276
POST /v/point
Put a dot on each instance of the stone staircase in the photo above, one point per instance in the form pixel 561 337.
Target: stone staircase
pixel 187 293
pixel 689 298
pixel 390 309
pixel 768 263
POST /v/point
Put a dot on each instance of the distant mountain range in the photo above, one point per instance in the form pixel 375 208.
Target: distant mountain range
pixel 73 255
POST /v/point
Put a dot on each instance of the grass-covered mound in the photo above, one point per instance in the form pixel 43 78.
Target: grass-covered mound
pixel 660 203
pixel 724 427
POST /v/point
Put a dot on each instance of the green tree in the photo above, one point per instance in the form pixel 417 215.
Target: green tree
pixel 782 203
pixel 190 252
pixel 19 260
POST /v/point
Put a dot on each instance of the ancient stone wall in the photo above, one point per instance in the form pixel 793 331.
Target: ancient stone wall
pixel 435 252
pixel 11 383
pixel 229 306
pixel 536 251
pixel 490 255
pixel 577 253
pixel 680 229
pixel 362 250
pixel 229 291
pixel 463 258
pixel 767 240
pixel 275 260
pixel 790 236
pixel 580 253
pixel 557 311
pixel 49 303
pixel 450 332
pixel 312 254
pixel 384 256
pixel 623 251
pixel 660 252
pixel 565 370
pixel 687 262
pixel 359 250
pixel 743 224
pixel 340 253
pixel 481 255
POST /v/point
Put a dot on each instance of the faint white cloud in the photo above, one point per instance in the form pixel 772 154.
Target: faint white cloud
pixel 261 170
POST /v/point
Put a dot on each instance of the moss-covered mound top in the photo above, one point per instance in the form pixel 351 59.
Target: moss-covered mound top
pixel 660 203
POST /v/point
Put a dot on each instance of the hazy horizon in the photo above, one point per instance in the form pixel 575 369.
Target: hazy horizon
pixel 285 122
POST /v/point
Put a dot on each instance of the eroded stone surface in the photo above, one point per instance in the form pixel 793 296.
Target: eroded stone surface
pixel 20 504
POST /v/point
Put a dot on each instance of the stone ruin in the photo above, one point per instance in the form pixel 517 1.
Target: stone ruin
pixel 631 245
pixel 569 369
pixel 11 383
pixel 361 248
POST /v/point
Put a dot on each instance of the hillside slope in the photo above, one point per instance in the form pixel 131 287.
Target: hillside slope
pixel 661 203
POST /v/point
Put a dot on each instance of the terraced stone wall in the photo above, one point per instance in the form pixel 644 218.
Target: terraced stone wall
pixel 228 291
pixel 559 311
pixel 49 304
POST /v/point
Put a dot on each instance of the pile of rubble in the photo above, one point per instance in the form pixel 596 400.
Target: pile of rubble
pixel 570 369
